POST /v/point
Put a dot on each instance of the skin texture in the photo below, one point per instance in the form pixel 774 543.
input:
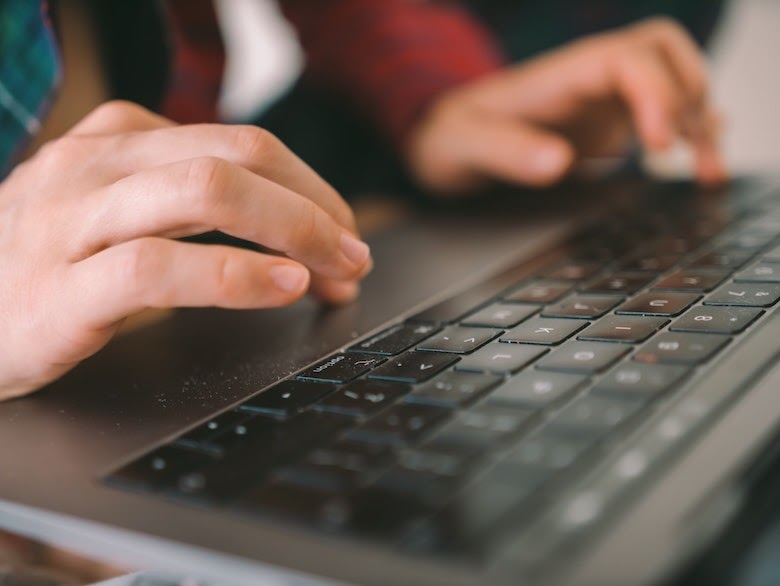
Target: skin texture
pixel 532 124
pixel 89 228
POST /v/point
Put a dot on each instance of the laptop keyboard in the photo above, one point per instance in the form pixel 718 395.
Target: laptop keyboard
pixel 514 414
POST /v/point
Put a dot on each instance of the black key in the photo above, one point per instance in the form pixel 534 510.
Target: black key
pixel 395 339
pixel 745 294
pixel 428 475
pixel 201 435
pixel 626 283
pixel 574 270
pixel 592 417
pixel 160 468
pixel 681 348
pixel 500 315
pixel 692 280
pixel 501 358
pixel 717 320
pixel 721 258
pixel 539 292
pixel 453 389
pixel 287 398
pixel 760 272
pixel 640 380
pixel 399 425
pixel 541 330
pixel 299 504
pixel 253 449
pixel 341 368
pixel 583 357
pixel 482 427
pixel 458 340
pixel 536 389
pixel 582 306
pixel 414 367
pixel 623 328
pixel 341 467
pixel 658 303
pixel 749 240
pixel 651 263
pixel 363 397
pixel 547 452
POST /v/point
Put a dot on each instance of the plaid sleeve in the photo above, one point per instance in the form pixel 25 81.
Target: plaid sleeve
pixel 390 58
pixel 197 61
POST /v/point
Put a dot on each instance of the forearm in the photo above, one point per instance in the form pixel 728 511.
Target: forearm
pixel 390 59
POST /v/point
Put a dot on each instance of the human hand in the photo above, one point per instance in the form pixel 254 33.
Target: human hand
pixel 532 123
pixel 89 222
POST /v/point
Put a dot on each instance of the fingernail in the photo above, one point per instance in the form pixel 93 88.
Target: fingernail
pixel 549 160
pixel 290 278
pixel 355 250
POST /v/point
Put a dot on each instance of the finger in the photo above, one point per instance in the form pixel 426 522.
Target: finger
pixel 515 152
pixel 651 92
pixel 686 60
pixel 332 291
pixel 704 137
pixel 159 273
pixel 119 116
pixel 201 195
pixel 248 146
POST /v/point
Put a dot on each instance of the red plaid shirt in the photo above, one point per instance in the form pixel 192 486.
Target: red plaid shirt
pixel 388 58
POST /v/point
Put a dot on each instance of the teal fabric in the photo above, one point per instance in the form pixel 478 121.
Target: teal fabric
pixel 30 72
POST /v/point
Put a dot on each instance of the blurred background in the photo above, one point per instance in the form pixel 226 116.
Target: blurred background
pixel 264 59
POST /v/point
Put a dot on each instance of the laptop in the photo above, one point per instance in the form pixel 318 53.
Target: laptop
pixel 571 387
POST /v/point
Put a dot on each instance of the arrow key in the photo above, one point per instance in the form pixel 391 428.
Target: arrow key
pixel 458 339
pixel 413 367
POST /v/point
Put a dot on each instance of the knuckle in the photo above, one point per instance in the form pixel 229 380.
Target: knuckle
pixel 135 266
pixel 63 152
pixel 662 26
pixel 309 227
pixel 254 143
pixel 205 182
pixel 116 112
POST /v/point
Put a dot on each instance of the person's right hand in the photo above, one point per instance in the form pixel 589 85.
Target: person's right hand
pixel 89 226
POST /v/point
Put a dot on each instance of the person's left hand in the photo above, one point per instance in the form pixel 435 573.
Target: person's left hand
pixel 532 123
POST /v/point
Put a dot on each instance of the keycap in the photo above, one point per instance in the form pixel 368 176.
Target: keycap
pixel 501 358
pixel 640 380
pixel 536 389
pixel 574 270
pixel 541 291
pixel 681 348
pixel 760 272
pixel 745 294
pixel 201 435
pixel 692 280
pixel 286 398
pixel 399 425
pixel 414 367
pixel 620 282
pixel 623 328
pixel 159 468
pixel 428 475
pixel 459 340
pixel 583 357
pixel 453 389
pixel 722 258
pixel 482 427
pixel 660 303
pixel 544 451
pixel 395 339
pixel 341 368
pixel 339 468
pixel 582 306
pixel 717 320
pixel 592 416
pixel 651 263
pixel 363 397
pixel 500 315
pixel 543 330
